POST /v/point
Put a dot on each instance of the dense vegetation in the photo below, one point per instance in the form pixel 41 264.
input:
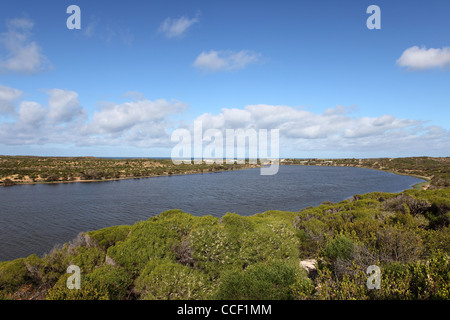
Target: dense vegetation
pixel 176 255
pixel 27 169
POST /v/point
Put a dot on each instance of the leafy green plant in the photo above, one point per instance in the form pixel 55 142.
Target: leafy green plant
pixel 340 247
pixel 108 237
pixel 166 280
pixel 272 281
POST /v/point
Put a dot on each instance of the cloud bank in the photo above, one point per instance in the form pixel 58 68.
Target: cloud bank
pixel 145 123
pixel 336 129
pixel 63 120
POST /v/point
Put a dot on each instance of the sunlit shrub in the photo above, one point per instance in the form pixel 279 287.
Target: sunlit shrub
pixel 166 280
pixel 13 274
pixel 340 247
pixel 88 290
pixel 114 281
pixel 155 238
pixel 108 237
pixel 273 281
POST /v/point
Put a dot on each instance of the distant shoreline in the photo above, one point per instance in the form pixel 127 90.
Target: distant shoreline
pixel 125 178
pixel 31 170
pixel 423 185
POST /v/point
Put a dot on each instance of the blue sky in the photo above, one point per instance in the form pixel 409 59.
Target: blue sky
pixel 137 70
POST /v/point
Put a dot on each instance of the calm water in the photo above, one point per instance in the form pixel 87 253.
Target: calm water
pixel 33 218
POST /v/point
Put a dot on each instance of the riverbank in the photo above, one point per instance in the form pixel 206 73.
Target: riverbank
pixel 126 178
pixel 25 170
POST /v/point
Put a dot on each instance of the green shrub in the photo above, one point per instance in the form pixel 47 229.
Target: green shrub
pixel 214 250
pixel 13 274
pixel 272 281
pixel 108 237
pixel 237 224
pixel 166 280
pixel 347 288
pixel 155 238
pixel 89 290
pixel 340 247
pixel 114 281
pixel 432 280
pixel 312 232
pixel 269 241
pixel 85 258
pixel 416 280
pixel 437 240
pixel 394 244
pixel 303 288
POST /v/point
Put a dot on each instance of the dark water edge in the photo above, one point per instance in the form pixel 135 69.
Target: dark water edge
pixel 36 217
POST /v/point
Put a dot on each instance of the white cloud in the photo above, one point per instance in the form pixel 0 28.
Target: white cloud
pixel 7 98
pixel 416 58
pixel 57 122
pixel 31 113
pixel 22 54
pixel 172 28
pixel 214 61
pixel 146 114
pixel 64 106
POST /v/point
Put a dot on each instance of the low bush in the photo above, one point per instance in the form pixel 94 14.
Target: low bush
pixel 166 280
pixel 272 281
